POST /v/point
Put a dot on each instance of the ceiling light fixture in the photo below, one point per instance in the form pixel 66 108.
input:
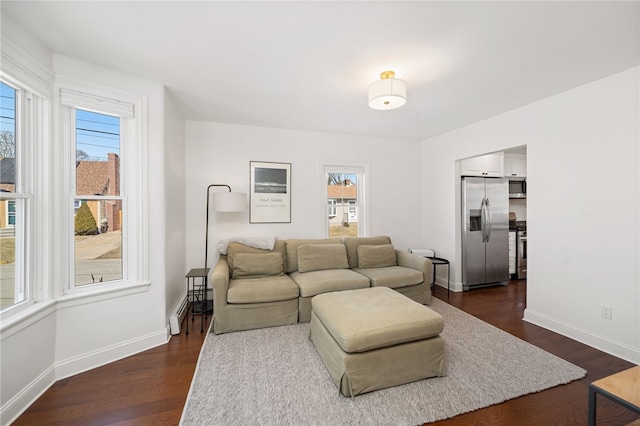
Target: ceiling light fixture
pixel 388 92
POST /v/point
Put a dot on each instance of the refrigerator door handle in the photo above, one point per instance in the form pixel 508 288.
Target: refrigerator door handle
pixel 489 220
pixel 483 219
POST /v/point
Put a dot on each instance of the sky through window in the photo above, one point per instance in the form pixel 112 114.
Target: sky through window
pixel 96 135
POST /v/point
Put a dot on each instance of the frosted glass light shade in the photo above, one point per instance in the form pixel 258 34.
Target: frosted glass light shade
pixel 388 93
pixel 229 201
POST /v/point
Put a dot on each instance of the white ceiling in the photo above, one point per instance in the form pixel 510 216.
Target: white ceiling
pixel 307 65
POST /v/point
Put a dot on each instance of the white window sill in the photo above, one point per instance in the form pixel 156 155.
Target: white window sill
pixel 24 316
pixel 98 294
pixel 14 321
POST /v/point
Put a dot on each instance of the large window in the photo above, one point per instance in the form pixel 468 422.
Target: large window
pixel 102 136
pixel 344 186
pixel 13 198
pixel 98 203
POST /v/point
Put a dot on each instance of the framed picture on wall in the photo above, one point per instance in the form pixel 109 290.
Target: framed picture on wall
pixel 270 196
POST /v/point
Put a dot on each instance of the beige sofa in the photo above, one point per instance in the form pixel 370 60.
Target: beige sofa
pixel 255 288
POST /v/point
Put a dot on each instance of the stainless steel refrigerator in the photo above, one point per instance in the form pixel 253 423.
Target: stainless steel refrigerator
pixel 485 231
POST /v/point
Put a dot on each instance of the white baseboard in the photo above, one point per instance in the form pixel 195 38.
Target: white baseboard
pixel 106 355
pixel 23 399
pixel 612 347
pixel 452 285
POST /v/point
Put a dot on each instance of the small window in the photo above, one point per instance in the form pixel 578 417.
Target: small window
pixel 345 200
pixel 332 208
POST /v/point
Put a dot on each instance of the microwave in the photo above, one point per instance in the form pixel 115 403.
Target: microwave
pixel 518 188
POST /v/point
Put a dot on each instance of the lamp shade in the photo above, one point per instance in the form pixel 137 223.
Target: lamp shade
pixel 388 92
pixel 229 201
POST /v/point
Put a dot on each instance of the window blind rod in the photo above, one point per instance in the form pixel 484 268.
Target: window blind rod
pixel 94 103
pixel 344 169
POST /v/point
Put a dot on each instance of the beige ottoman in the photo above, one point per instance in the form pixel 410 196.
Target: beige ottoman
pixel 375 338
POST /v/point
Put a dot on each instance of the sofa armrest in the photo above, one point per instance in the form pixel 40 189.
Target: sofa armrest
pixel 413 261
pixel 220 282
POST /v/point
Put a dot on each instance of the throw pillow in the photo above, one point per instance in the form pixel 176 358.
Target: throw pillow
pixel 254 265
pixel 376 256
pixel 317 257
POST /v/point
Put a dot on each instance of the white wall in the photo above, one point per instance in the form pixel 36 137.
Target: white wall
pixel 582 206
pixel 174 169
pixel 220 153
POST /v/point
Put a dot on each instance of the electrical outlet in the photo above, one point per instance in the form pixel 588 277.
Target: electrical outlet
pixel 606 312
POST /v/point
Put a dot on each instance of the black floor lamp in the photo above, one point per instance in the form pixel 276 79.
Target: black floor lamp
pixel 223 201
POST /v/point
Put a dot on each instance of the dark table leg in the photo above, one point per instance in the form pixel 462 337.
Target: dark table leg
pixel 188 307
pixel 204 304
pixel 592 406
pixel 448 278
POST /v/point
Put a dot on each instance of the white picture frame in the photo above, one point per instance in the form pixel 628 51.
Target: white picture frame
pixel 270 192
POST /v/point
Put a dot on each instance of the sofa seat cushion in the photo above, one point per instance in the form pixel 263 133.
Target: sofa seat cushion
pixel 261 290
pixel 392 276
pixel 372 318
pixel 318 282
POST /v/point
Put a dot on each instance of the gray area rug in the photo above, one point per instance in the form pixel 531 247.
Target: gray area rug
pixel 274 376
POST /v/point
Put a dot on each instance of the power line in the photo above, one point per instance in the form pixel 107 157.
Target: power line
pixel 97 145
pixel 98 122
pixel 97 131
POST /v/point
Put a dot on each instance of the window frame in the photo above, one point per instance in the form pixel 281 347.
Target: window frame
pixel 71 113
pixel 30 113
pixel 358 167
pixel 72 94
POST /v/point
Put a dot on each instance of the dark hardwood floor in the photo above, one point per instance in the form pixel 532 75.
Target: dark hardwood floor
pixel 150 388
pixel 504 307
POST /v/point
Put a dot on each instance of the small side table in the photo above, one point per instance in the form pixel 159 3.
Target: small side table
pixel 622 387
pixel 197 294
pixel 440 261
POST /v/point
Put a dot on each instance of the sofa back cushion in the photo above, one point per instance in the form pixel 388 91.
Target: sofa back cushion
pixel 376 256
pixel 352 243
pixel 257 265
pixel 318 257
pixel 292 245
pixel 235 248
